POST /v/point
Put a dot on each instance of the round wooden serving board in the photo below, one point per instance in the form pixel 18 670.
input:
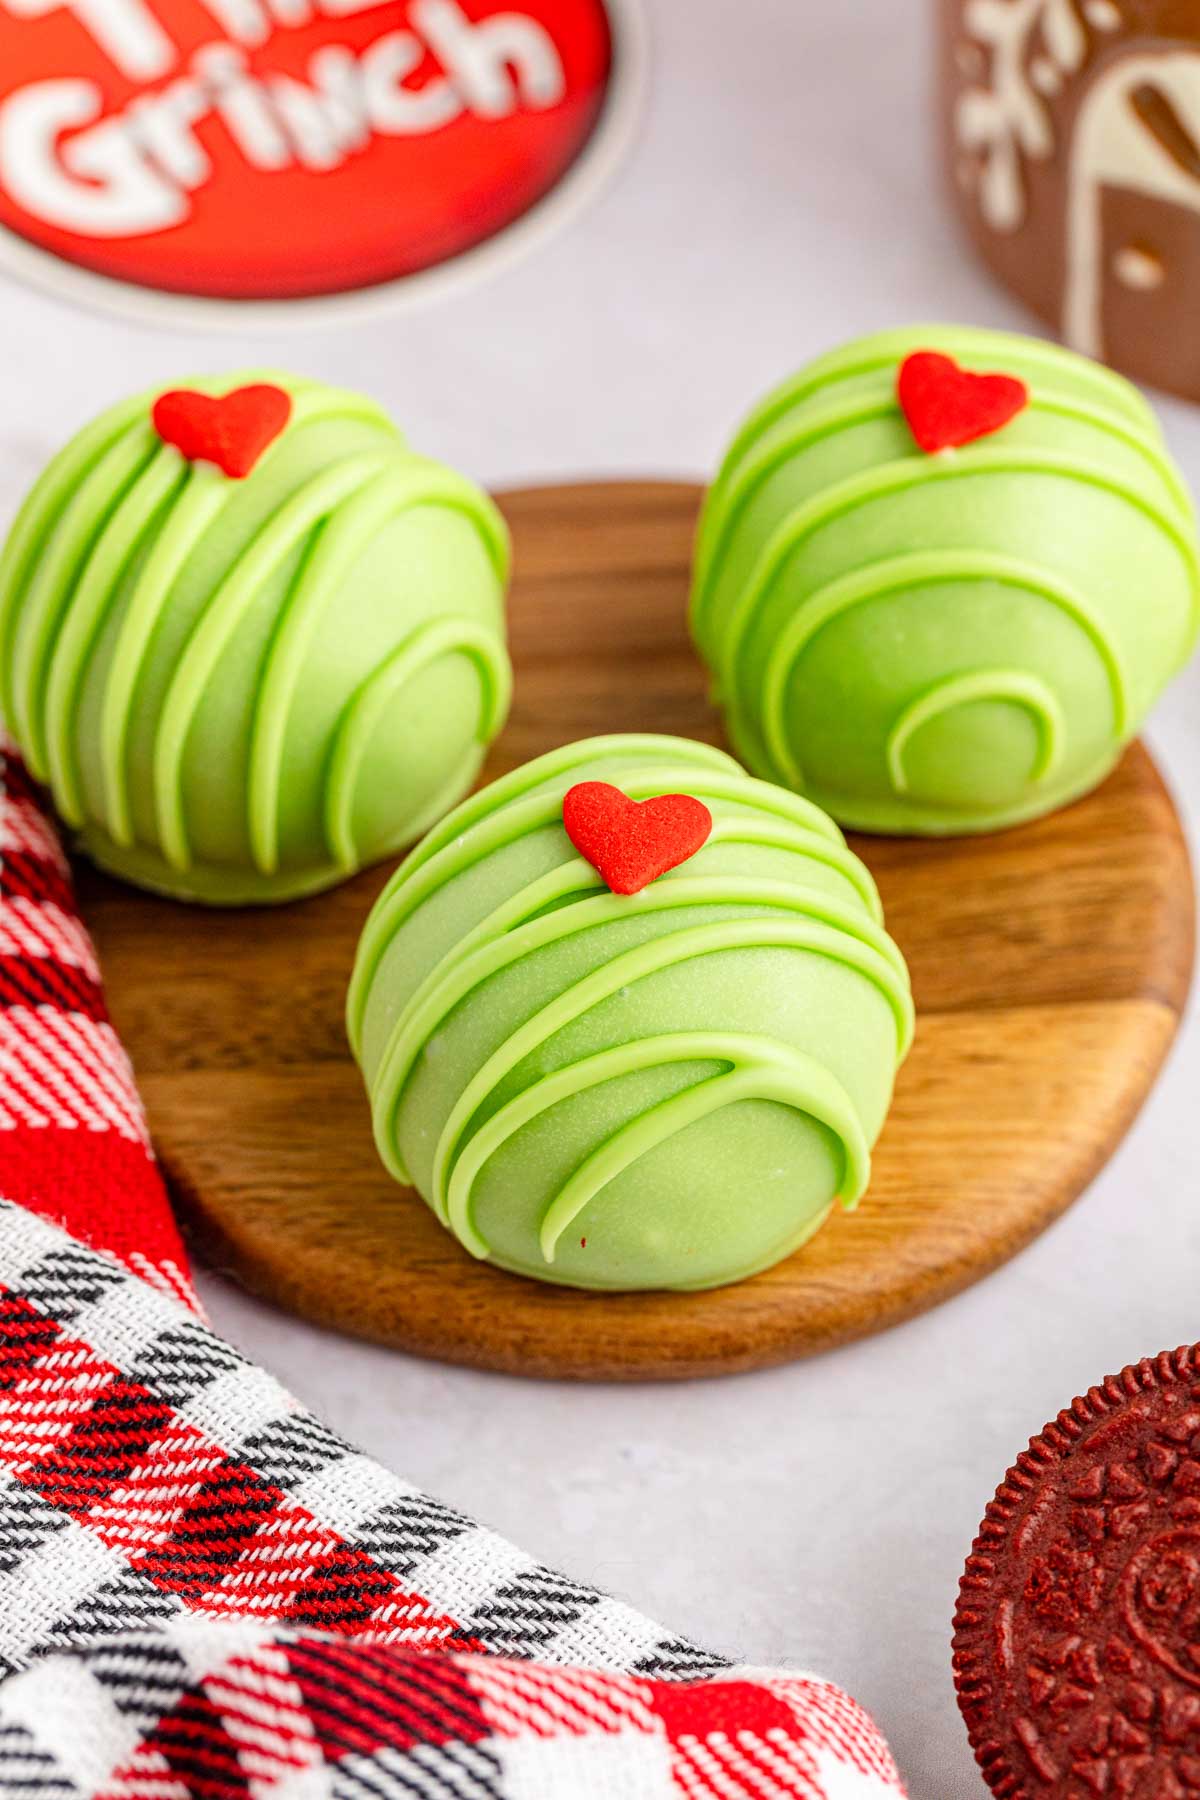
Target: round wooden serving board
pixel 1049 964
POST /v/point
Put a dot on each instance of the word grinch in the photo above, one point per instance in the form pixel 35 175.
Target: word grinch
pixel 129 172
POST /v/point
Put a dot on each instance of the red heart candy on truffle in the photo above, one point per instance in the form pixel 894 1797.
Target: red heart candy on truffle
pixel 947 406
pixel 632 842
pixel 231 430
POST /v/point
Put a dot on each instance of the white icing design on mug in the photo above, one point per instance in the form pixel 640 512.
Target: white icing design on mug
pixel 1111 146
pixel 1139 269
pixel 1002 119
pixel 1009 119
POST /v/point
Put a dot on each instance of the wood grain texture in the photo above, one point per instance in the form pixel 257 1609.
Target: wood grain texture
pixel 1050 965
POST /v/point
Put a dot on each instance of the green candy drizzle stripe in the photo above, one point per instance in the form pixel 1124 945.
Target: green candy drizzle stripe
pixel 727 506
pixel 518 783
pixel 237 593
pixel 428 644
pixel 893 576
pixel 626 970
pixel 849 495
pixel 736 829
pixel 1011 685
pixel 730 494
pixel 757 1070
pixel 490 828
pixel 53 582
pixel 432 1003
pixel 55 486
pixel 314 404
pixel 576 879
pixel 85 617
pixel 412 885
pixel 887 350
pixel 204 496
pixel 339 545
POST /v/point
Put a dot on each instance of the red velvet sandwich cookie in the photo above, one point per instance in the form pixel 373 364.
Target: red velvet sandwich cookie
pixel 1077 1633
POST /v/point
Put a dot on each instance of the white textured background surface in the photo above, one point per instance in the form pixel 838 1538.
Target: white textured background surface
pixel 780 197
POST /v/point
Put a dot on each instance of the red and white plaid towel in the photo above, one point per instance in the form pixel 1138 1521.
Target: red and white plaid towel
pixel 205 1592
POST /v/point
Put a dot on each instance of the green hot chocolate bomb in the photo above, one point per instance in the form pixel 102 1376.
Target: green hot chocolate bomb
pixel 251 643
pixel 666 1088
pixel 950 641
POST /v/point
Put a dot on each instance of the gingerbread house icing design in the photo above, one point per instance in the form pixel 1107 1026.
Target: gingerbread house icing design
pixel 1072 130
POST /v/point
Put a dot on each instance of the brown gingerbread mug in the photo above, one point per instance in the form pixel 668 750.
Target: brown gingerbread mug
pixel 1072 133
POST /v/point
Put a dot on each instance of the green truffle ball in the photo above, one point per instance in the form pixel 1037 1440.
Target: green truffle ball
pixel 242 690
pixel 951 642
pixel 667 1089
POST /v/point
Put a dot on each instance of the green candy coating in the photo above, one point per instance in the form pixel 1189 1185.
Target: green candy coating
pixel 663 1090
pixel 947 643
pixel 244 690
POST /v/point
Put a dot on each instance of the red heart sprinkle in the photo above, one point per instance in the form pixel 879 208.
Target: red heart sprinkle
pixel 231 430
pixel 632 842
pixel 947 406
